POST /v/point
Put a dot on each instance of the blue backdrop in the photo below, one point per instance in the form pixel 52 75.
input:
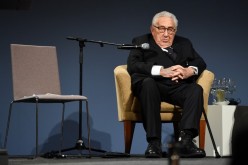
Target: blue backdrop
pixel 218 30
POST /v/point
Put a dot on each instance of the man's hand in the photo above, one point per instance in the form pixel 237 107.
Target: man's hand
pixel 177 72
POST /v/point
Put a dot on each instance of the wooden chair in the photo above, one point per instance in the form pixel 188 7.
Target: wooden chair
pixel 129 108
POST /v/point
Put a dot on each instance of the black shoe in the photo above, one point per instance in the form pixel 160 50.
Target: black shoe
pixel 188 149
pixel 153 150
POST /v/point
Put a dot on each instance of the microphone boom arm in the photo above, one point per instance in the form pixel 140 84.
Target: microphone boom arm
pixel 93 41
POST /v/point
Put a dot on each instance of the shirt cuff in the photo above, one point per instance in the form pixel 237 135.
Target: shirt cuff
pixel 156 70
pixel 196 69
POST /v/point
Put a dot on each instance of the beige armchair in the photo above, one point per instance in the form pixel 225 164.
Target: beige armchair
pixel 129 108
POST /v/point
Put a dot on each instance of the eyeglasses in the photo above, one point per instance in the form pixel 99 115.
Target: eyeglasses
pixel 162 29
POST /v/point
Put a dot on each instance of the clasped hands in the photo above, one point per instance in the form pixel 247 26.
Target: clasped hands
pixel 177 72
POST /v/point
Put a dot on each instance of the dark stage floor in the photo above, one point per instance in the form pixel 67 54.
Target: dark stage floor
pixel 132 160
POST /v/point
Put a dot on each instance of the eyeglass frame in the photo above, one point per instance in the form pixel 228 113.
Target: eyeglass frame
pixel 170 30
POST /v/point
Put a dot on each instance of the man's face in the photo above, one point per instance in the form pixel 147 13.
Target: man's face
pixel 164 31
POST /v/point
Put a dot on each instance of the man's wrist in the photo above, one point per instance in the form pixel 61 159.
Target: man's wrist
pixel 156 70
pixel 195 70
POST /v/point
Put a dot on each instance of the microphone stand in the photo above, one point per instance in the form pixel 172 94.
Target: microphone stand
pixel 80 145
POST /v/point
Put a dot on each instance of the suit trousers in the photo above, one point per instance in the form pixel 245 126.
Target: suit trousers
pixel 188 96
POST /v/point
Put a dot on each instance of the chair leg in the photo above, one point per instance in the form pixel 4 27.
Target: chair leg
pixel 7 128
pixel 37 127
pixel 202 134
pixel 88 125
pixel 128 135
pixel 62 128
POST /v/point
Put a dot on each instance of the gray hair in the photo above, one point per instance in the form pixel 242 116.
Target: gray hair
pixel 164 14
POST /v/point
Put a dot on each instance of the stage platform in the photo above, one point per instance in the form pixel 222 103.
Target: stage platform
pixel 132 160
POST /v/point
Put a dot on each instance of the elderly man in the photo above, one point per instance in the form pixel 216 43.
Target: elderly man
pixel 167 71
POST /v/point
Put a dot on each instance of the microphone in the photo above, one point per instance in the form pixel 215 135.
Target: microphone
pixel 144 46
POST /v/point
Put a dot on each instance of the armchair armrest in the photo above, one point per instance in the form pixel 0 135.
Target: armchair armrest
pixel 206 80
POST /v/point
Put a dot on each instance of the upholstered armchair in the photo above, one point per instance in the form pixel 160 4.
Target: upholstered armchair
pixel 129 108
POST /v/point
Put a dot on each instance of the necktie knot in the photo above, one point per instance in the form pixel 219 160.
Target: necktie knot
pixel 170 50
pixel 171 53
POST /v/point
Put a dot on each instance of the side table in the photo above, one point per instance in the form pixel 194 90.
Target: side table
pixel 221 120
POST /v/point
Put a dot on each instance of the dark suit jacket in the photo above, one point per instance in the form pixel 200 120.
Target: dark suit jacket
pixel 140 61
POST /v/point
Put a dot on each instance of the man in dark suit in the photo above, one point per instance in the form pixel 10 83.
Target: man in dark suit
pixel 167 71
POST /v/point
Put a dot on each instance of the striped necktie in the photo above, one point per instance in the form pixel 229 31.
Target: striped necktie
pixel 171 53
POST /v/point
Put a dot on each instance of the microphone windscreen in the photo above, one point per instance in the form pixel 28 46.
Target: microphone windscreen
pixel 145 46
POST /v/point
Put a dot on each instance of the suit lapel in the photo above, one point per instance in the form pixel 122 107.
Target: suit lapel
pixel 177 49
